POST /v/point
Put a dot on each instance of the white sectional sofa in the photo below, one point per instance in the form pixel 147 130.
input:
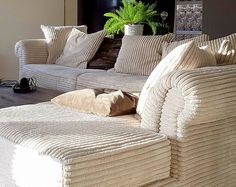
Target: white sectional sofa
pixel 192 142
pixel 198 117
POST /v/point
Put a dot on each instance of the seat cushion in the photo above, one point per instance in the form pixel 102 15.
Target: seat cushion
pixel 55 77
pixel 111 80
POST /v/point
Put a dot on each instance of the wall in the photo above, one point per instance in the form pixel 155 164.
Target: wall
pixel 219 17
pixel 70 12
pixel 22 20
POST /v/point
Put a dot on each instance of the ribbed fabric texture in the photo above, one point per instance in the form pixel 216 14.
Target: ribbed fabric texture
pixel 80 48
pixel 139 55
pixel 185 57
pixel 197 111
pixel 168 47
pixel 224 49
pixel 56 37
pixel 54 76
pixel 226 54
pixel 64 78
pixel 93 150
pixel 31 51
pixel 118 81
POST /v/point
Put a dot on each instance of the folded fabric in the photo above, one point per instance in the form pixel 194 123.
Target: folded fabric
pixel 56 37
pixel 98 101
pixel 80 48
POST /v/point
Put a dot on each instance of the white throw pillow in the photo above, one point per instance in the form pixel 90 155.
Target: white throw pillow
pixel 56 37
pixel 80 48
pixel 139 55
pixel 185 57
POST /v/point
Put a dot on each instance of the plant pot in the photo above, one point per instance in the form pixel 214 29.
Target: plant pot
pixel 134 29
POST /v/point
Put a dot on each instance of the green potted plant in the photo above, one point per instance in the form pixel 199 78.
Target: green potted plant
pixel 131 17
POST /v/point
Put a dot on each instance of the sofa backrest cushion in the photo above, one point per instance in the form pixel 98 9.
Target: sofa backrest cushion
pixel 224 49
pixel 56 37
pixel 184 57
pixel 168 47
pixel 80 48
pixel 139 55
pixel 106 56
pixel 103 102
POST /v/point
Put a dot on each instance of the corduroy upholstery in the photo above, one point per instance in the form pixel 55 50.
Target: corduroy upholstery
pixel 195 109
pixel 139 55
pixel 56 37
pixel 80 48
pixel 54 76
pixel 33 55
pixel 31 51
pixel 111 80
pixel 58 147
pixel 168 47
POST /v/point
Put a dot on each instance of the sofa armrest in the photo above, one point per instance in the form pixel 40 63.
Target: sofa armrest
pixel 31 51
pixel 197 111
pixel 200 96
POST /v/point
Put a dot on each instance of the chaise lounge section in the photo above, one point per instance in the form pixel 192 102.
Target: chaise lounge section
pixel 58 147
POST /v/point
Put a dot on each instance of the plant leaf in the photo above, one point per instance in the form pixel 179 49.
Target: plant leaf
pixel 132 12
pixel 153 26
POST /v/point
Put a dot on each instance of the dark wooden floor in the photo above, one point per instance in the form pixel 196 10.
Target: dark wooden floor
pixel 9 98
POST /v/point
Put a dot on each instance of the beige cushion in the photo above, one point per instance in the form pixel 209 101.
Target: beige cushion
pixel 224 49
pixel 168 47
pixel 56 37
pixel 184 57
pixel 98 101
pixel 80 48
pixel 139 55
